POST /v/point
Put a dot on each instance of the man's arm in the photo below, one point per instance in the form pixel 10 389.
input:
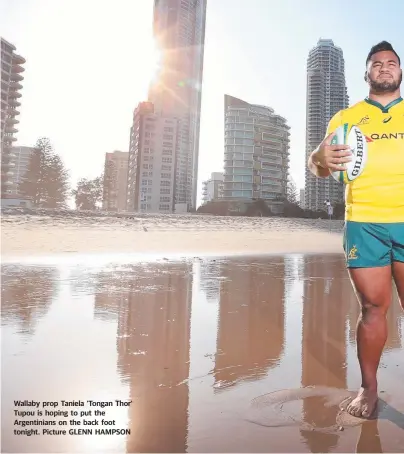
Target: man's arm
pixel 315 167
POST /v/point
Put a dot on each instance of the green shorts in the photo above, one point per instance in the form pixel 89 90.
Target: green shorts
pixel 369 245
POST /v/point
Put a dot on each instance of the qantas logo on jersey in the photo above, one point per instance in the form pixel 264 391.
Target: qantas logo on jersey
pixel 391 135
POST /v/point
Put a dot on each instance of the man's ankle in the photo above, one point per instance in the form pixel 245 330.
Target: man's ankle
pixel 369 386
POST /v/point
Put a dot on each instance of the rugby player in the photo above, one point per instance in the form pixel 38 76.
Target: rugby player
pixel 374 210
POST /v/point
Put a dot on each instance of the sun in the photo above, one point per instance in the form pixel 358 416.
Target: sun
pixel 152 63
pixel 145 68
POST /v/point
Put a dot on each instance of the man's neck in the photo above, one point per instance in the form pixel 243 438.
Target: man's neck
pixel 385 98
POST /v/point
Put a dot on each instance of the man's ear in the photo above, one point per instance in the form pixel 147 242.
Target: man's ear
pixel 366 77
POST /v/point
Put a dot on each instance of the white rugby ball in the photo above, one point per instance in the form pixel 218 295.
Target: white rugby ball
pixel 354 137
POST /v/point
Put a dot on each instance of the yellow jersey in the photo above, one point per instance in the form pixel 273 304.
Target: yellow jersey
pixel 377 195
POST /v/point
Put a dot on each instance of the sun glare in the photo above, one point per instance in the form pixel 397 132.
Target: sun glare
pixel 145 68
pixel 152 64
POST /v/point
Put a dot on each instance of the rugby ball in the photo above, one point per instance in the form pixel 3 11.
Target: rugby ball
pixel 352 136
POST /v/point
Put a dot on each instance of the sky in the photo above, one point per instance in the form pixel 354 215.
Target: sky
pixel 89 63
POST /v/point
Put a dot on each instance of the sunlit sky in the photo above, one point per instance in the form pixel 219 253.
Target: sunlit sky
pixel 89 63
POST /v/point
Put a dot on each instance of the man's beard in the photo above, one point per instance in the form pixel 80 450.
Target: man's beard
pixel 386 86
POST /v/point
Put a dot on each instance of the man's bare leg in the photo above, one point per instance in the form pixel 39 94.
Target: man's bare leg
pixel 373 287
pixel 398 274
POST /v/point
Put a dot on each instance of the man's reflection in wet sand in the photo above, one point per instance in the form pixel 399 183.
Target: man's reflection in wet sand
pixel 369 438
pixel 329 303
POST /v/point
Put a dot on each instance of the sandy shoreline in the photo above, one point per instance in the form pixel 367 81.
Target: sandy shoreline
pixel 26 235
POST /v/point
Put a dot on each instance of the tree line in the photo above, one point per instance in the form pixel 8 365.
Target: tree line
pixel 46 182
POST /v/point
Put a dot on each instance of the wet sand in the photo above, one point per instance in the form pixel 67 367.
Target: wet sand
pixel 196 346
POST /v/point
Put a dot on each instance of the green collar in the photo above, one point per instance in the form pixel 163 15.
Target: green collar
pixel 384 109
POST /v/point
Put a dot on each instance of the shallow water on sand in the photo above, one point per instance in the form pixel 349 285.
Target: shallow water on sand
pixel 196 346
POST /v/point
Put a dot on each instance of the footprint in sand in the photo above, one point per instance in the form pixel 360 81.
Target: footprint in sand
pixel 289 407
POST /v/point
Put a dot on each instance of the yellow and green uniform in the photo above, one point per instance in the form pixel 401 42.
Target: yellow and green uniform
pixel 374 214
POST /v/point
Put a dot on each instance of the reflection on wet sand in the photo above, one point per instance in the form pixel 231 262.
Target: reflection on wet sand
pixel 327 297
pixel 328 302
pixel 282 322
pixel 153 356
pixel 152 307
pixel 26 296
pixel 251 321
pixel 210 282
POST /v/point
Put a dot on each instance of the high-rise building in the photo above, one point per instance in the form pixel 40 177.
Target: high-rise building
pixel 256 155
pixel 152 158
pixel 11 69
pixel 179 30
pixel 20 158
pixel 326 95
pixel 115 181
pixel 212 188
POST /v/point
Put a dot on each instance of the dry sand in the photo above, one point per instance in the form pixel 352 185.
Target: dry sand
pixel 46 232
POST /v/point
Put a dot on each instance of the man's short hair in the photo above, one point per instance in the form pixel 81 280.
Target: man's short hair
pixel 382 47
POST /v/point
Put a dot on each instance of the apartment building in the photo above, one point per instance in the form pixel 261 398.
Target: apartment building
pixel 20 158
pixel 256 155
pixel 326 94
pixel 152 159
pixel 11 78
pixel 212 189
pixel 179 31
pixel 115 181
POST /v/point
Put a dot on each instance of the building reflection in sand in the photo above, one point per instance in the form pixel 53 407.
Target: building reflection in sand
pixel 158 307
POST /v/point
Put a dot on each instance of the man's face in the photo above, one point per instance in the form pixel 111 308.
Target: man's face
pixel 384 72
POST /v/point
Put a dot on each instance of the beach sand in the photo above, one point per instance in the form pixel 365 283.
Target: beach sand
pixel 55 232
pixel 213 354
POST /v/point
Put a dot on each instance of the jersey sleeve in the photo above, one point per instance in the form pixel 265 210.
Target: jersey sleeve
pixel 334 123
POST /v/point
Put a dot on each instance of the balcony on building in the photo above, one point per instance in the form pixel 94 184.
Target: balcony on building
pixel 15 85
pixel 14 94
pixel 12 121
pixel 10 130
pixel 8 139
pixel 17 69
pixel 12 104
pixel 16 77
pixel 18 60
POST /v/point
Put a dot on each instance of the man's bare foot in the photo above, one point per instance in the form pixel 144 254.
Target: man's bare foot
pixel 364 403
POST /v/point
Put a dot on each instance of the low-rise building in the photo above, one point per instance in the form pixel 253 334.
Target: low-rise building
pixel 212 188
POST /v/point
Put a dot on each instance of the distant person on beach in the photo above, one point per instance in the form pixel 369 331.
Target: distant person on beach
pixel 374 214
